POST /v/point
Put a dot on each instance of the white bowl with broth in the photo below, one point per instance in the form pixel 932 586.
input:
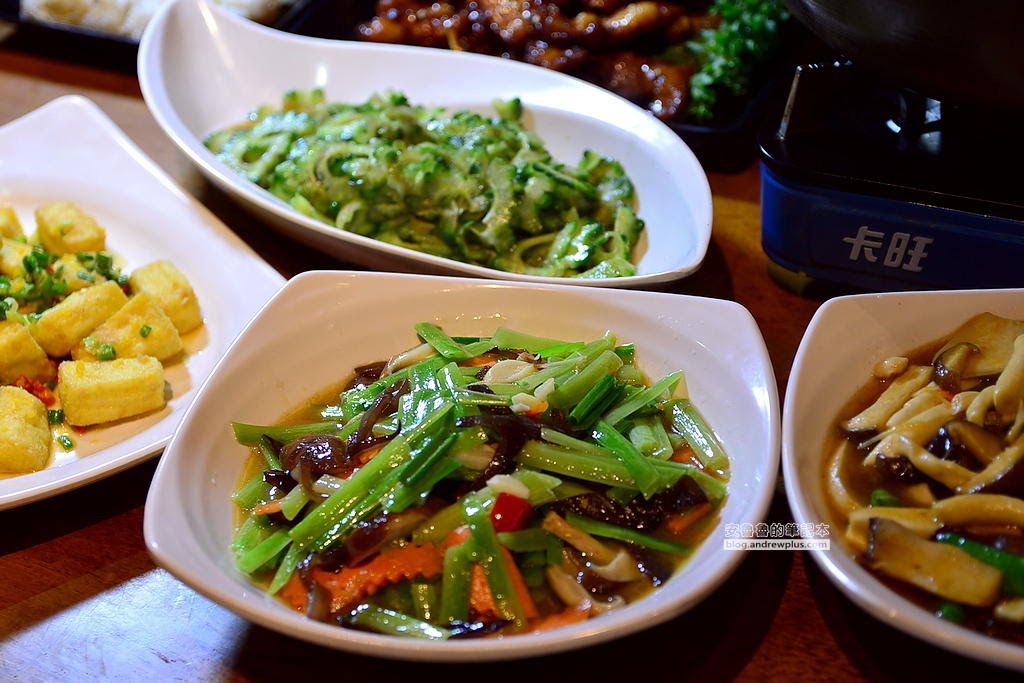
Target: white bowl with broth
pixel 323 324
pixel 845 339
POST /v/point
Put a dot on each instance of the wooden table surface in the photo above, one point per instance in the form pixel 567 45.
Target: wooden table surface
pixel 80 598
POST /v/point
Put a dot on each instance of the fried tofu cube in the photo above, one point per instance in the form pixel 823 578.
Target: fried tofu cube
pixel 64 228
pixel 12 256
pixel 69 270
pixel 139 328
pixel 10 226
pixel 20 355
pixel 168 285
pixel 94 391
pixel 61 327
pixel 24 432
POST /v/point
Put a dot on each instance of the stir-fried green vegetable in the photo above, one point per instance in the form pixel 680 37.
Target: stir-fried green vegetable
pixel 452 492
pixel 728 56
pixel 462 186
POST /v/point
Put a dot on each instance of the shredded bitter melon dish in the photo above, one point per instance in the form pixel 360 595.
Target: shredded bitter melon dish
pixel 480 486
pixel 926 476
pixel 476 189
pixel 83 342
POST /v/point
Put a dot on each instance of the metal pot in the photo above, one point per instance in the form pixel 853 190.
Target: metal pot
pixel 963 54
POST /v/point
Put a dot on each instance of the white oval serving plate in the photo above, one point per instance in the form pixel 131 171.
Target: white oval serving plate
pixel 202 69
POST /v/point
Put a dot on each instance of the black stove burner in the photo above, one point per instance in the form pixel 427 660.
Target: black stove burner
pixel 917 125
pixel 876 187
pixel 843 128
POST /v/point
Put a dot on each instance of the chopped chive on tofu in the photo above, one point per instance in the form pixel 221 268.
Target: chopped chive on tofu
pixel 145 330
pixel 106 352
pixel 55 417
pixel 65 442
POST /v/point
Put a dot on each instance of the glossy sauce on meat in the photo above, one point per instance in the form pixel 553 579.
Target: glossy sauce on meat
pixel 612 43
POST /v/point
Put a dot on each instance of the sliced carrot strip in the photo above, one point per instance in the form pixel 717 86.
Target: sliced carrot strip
pixel 480 361
pixel 676 524
pixel 481 600
pixel 455 537
pixel 294 593
pixel 686 455
pixel 537 409
pixel 570 615
pixel 351 585
pixel 267 508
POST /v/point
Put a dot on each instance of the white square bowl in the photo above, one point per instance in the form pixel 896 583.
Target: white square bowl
pixel 844 340
pixel 323 324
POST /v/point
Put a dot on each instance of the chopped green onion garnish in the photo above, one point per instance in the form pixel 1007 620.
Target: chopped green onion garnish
pixel 880 498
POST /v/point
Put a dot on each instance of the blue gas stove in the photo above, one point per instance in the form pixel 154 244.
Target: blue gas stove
pixel 877 188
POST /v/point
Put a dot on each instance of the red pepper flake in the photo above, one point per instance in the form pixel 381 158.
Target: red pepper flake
pixel 37 389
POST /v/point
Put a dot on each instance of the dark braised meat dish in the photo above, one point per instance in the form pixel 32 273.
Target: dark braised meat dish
pixel 635 49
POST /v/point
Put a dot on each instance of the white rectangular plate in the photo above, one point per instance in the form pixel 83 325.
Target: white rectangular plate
pixel 69 149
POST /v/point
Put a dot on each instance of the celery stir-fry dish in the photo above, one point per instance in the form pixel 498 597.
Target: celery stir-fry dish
pixel 482 486
pixel 463 186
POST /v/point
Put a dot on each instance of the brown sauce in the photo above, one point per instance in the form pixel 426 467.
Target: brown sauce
pixel 657 566
pixel 861 481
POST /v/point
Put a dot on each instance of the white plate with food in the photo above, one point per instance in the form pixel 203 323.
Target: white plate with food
pixel 125 21
pixel 913 481
pixel 203 71
pixel 203 524
pixel 68 153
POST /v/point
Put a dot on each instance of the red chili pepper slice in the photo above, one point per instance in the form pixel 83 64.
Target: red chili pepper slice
pixel 37 389
pixel 510 512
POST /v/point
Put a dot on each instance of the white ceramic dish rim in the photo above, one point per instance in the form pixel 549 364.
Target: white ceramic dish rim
pixel 99 149
pixel 185 556
pixel 656 135
pixel 858 584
